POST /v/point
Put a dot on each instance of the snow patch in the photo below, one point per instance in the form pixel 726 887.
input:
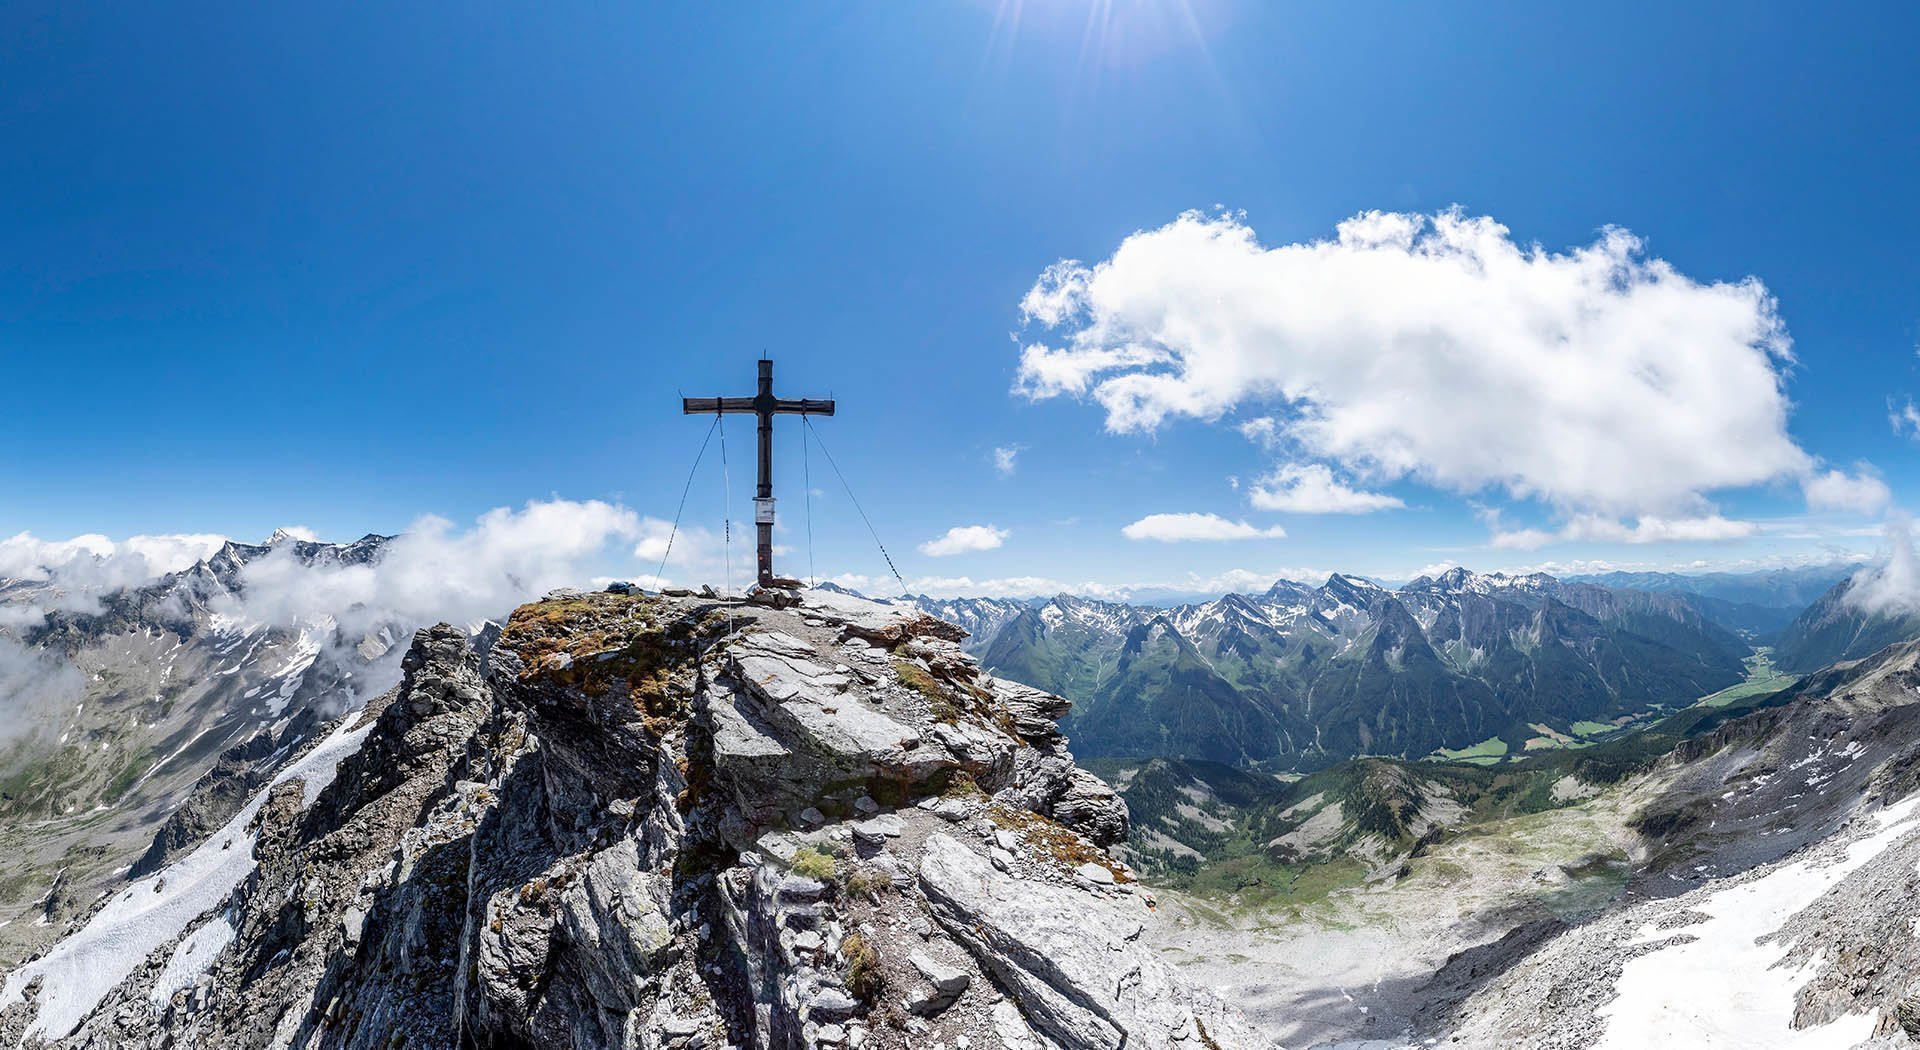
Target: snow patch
pixel 192 957
pixel 151 913
pixel 1723 987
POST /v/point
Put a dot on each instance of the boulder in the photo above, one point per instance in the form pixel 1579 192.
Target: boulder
pixel 1077 990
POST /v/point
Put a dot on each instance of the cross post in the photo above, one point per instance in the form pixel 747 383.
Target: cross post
pixel 765 406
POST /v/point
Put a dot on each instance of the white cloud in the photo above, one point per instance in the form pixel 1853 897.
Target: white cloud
pixel 1598 380
pixel 1861 493
pixel 1564 568
pixel 1892 586
pixel 78 571
pixel 1520 539
pixel 1189 527
pixel 1310 488
pixel 1244 580
pixel 1647 529
pixel 1006 459
pixel 1652 529
pixel 690 546
pixel 1905 419
pixel 433 571
pixel 964 539
pixel 36 686
pixel 1013 587
pixel 1261 430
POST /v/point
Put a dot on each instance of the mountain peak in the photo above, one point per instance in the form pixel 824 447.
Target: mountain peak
pixel 1288 589
pixel 1459 580
pixel 1345 585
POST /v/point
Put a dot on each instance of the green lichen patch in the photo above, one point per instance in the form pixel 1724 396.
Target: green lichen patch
pixel 1048 838
pixel 598 642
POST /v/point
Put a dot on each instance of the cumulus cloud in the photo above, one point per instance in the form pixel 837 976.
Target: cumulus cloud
pixel 1837 490
pixel 1598 380
pixel 1006 458
pixel 1311 488
pixel 1245 580
pixel 1519 540
pixel 1190 527
pixel 1013 587
pixel 1652 529
pixel 964 539
pixel 434 571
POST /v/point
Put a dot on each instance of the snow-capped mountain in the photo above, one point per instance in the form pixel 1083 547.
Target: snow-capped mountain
pixel 981 617
pixel 113 712
pixel 1302 675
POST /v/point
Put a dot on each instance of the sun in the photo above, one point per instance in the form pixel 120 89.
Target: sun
pixel 1109 34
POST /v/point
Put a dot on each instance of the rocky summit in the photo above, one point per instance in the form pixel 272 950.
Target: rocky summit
pixel 671 822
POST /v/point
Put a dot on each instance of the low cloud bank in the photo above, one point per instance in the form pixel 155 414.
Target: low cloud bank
pixel 71 575
pixel 35 688
pixel 433 571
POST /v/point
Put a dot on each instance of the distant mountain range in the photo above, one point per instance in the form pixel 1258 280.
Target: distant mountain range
pixel 112 713
pixel 1302 676
pixel 1838 627
pixel 1757 602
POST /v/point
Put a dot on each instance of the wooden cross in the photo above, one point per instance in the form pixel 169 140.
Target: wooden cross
pixel 765 406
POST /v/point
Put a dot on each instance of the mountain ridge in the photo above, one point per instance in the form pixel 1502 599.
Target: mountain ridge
pixel 1301 676
pixel 644 821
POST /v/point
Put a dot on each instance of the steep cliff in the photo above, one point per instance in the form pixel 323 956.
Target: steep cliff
pixel 642 821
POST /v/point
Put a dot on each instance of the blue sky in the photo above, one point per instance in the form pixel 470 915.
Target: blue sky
pixel 271 265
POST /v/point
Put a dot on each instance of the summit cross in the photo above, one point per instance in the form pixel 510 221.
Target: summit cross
pixel 764 405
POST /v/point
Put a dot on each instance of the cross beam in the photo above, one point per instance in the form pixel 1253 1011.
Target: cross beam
pixel 764 405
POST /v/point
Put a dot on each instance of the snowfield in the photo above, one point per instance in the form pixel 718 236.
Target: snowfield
pixel 153 912
pixel 1724 987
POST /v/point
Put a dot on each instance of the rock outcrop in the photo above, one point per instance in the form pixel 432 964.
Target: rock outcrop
pixel 671 823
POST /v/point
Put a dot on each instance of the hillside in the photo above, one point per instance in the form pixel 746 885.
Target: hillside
pixel 1840 627
pixel 116 710
pixel 1428 903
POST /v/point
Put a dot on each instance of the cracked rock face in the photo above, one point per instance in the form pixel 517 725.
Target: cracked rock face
pixel 1072 963
pixel 670 823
